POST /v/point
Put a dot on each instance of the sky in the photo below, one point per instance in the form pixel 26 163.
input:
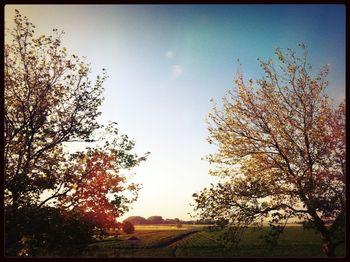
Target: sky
pixel 165 63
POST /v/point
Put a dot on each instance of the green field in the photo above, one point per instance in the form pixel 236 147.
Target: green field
pixel 197 241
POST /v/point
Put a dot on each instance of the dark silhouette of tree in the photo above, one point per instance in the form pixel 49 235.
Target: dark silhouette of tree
pixel 46 231
pixel 281 153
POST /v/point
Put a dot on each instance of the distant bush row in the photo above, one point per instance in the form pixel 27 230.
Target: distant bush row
pixel 139 220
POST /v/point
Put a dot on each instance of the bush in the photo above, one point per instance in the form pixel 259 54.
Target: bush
pixel 128 227
pixel 33 232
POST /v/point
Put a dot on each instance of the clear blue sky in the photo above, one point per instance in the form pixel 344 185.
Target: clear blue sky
pixel 165 62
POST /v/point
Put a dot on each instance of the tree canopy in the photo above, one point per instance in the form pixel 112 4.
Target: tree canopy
pixel 136 220
pixel 49 100
pixel 281 152
pixel 155 220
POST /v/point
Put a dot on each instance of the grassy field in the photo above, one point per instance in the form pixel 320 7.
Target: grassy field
pixel 167 227
pixel 197 242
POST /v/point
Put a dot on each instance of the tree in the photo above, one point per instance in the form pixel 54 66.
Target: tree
pixel 136 220
pixel 178 223
pixel 281 153
pixel 95 187
pixel 49 103
pixel 128 227
pixel 49 100
pixel 155 220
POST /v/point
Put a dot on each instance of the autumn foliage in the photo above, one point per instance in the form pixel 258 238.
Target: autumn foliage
pixel 90 189
pixel 281 152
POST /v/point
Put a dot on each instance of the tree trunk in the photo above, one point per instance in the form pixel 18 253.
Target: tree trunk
pixel 15 198
pixel 328 248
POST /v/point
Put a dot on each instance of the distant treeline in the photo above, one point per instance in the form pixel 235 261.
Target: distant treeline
pixel 139 220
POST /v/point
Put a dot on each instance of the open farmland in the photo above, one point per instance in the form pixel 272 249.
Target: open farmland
pixel 197 241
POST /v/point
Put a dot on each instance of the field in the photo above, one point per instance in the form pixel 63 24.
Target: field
pixel 198 242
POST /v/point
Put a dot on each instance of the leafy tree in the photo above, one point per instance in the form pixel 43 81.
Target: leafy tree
pixel 136 220
pixel 50 102
pixel 128 227
pixel 96 187
pixel 155 220
pixel 281 153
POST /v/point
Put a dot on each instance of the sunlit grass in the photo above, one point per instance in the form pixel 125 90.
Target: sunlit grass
pixel 166 241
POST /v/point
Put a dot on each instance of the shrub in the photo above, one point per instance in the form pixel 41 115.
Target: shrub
pixel 128 227
pixel 46 231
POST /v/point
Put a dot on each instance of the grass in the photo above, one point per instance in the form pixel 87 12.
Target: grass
pixel 167 227
pixel 196 242
pixel 148 238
